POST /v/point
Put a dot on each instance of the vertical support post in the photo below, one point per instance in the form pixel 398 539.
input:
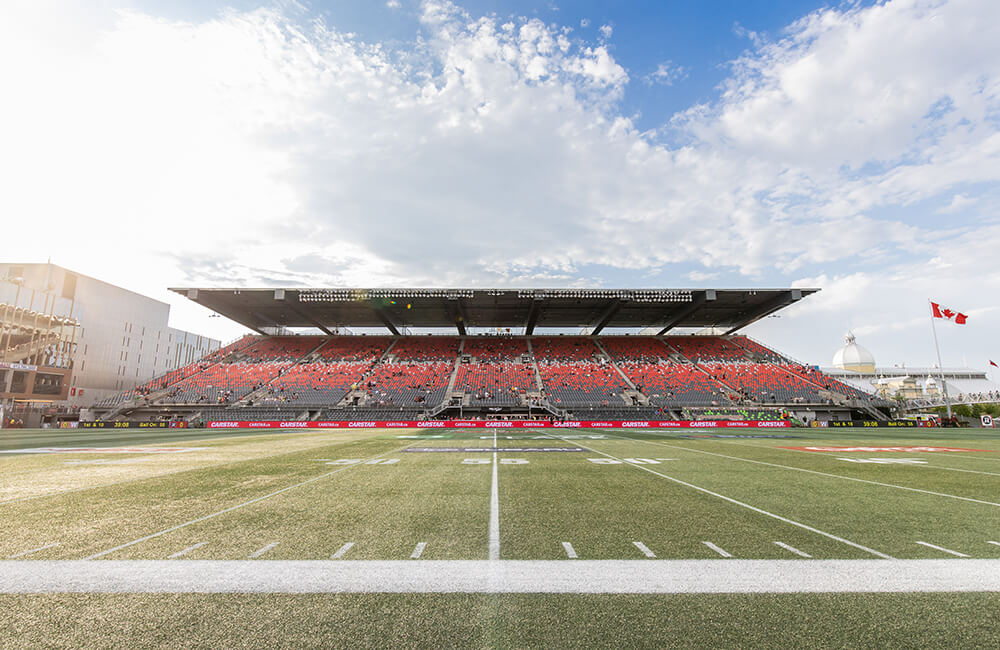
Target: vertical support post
pixel 937 348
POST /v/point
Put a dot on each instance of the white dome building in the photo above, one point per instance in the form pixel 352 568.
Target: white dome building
pixel 854 357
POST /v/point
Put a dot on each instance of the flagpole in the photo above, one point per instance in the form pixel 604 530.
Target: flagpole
pixel 944 386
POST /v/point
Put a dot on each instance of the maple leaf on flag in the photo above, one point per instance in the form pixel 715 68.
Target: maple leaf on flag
pixel 957 317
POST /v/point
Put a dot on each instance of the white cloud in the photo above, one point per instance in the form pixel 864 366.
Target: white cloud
pixel 606 31
pixel 393 4
pixel 666 74
pixel 256 148
pixel 958 203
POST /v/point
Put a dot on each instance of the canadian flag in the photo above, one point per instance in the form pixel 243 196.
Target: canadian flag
pixel 943 312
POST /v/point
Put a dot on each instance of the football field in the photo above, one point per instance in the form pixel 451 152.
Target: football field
pixel 500 539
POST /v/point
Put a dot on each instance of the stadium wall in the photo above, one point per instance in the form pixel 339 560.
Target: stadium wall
pixel 123 340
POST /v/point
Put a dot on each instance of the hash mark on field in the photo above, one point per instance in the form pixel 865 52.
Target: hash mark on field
pixel 645 549
pixel 570 553
pixel 232 508
pixel 418 551
pixel 717 549
pixel 34 550
pixel 941 548
pixel 261 551
pixel 186 551
pixel 792 549
pixel 747 505
pixel 341 551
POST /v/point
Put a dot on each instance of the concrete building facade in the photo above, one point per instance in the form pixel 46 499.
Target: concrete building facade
pixel 103 339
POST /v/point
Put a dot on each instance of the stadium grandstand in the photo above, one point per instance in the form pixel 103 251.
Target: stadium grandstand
pixel 495 354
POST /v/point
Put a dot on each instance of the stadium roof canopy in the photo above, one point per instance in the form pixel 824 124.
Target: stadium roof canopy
pixel 265 310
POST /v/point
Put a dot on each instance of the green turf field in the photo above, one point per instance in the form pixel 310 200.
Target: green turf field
pixel 578 499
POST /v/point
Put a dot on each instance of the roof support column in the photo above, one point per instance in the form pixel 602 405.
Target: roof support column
pixel 693 306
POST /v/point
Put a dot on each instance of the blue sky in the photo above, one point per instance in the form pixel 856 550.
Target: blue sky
pixel 853 147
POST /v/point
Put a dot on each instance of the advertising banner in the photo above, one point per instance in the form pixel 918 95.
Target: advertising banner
pixel 506 424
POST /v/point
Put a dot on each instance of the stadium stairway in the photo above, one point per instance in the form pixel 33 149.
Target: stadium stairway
pixel 348 400
pixel 256 396
pixel 610 359
pixel 534 364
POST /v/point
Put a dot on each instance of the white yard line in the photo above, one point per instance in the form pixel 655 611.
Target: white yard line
pixel 141 478
pixel 645 549
pixel 830 453
pixel 341 551
pixel 739 503
pixel 418 551
pixel 261 551
pixel 570 552
pixel 506 576
pixel 34 550
pixel 943 549
pixel 717 549
pixel 996 543
pixel 792 549
pixel 494 551
pixel 812 471
pixel 238 506
pixel 186 551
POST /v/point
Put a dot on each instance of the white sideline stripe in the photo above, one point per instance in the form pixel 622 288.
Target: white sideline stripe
pixel 187 550
pixel 943 549
pixel 645 549
pixel 740 503
pixel 494 551
pixel 238 506
pixel 792 549
pixel 34 550
pixel 340 551
pixel 717 549
pixel 812 471
pixel 418 551
pixel 261 551
pixel 570 553
pixel 505 576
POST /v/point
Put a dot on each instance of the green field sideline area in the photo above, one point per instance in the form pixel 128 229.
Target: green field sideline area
pixel 483 539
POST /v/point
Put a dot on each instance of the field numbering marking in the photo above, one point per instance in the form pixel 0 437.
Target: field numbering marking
pixel 261 551
pixel 943 549
pixel 186 550
pixel 717 549
pixel 34 550
pixel 341 551
pixel 746 505
pixel 418 551
pixel 570 551
pixel 645 549
pixel 792 549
